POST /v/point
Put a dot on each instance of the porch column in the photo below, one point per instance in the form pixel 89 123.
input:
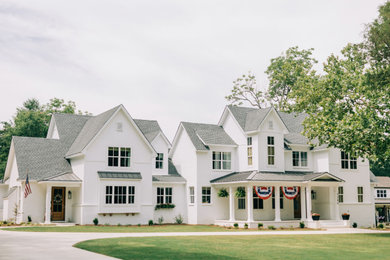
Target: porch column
pixel 308 203
pixel 332 202
pixel 277 203
pixel 303 207
pixel 231 204
pixel 336 203
pixel 19 217
pixel 249 192
pixel 48 204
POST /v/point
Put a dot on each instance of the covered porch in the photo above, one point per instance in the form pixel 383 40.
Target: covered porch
pixel 315 193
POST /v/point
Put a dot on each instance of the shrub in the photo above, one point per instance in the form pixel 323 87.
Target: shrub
pixel 271 227
pixel 150 222
pixel 302 224
pixel 139 225
pixel 246 226
pixel 160 220
pixel 5 222
pixel 381 225
pixel 179 219
pixel 164 206
pixel 354 225
pixel 106 224
pixel 260 225
pixel 95 221
pixel 119 224
pixel 28 219
pixel 223 193
pixel 235 225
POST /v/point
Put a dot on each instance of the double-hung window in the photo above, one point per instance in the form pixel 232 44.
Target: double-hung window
pixel 222 160
pixel 206 195
pixel 348 161
pixel 241 201
pixel 249 150
pixel 360 194
pixel 257 202
pixel 271 150
pixel 299 159
pixel 381 193
pixel 192 194
pixel 340 194
pixel 119 157
pixel 164 195
pixel 159 161
pixel 120 194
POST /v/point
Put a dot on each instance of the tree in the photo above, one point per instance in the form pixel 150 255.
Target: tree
pixel 32 119
pixel 286 71
pixel 245 90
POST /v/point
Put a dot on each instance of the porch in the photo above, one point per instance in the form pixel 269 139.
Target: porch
pixel 316 195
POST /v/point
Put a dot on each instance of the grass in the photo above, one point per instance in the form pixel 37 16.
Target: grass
pixel 125 229
pixel 348 246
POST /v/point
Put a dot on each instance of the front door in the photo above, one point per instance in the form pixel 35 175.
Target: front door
pixel 58 203
pixel 297 206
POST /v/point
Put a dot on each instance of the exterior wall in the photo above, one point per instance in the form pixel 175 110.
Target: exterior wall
pixel 278 133
pixel 34 204
pixel 321 161
pixel 161 146
pixel 179 199
pixel 362 213
pixel 9 206
pixel 14 174
pixel 185 160
pixel 3 191
pixel 142 160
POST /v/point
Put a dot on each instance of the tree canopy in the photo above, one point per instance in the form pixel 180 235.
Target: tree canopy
pixel 32 120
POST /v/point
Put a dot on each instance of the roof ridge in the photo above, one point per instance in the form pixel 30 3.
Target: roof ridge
pixel 201 123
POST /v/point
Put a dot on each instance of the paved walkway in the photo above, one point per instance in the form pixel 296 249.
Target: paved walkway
pixel 58 245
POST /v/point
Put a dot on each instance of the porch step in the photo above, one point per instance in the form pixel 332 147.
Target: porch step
pixel 333 224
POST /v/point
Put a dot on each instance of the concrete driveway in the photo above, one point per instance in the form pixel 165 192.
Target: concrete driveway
pixel 49 245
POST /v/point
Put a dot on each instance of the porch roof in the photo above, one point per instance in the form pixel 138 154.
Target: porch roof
pixel 63 177
pixel 120 175
pixel 287 176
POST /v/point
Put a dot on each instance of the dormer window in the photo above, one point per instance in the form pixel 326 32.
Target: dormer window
pixel 119 157
pixel 270 125
pixel 271 150
pixel 159 160
pixel 222 160
pixel 249 150
pixel 299 159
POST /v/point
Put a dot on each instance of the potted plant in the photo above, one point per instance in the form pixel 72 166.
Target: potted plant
pixel 240 192
pixel 345 216
pixel 223 193
pixel 315 216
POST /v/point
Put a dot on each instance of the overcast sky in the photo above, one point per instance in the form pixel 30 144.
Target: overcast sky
pixel 166 60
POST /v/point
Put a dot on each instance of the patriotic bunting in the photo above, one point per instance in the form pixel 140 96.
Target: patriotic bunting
pixel 263 192
pixel 290 192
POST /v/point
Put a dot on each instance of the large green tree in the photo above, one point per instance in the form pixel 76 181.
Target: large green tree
pixel 286 71
pixel 32 119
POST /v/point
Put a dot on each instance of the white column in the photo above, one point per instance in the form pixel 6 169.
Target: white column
pixel 249 192
pixel 302 194
pixel 308 203
pixel 277 203
pixel 48 204
pixel 231 204
pixel 21 201
pixel 332 202
pixel 336 204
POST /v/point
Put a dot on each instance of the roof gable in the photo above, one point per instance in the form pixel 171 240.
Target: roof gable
pixel 151 129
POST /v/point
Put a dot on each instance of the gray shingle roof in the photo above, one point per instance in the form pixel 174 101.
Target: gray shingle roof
pixel 150 128
pixel 287 176
pixel 173 175
pixel 203 135
pixel 69 126
pixel 120 175
pixel 89 131
pixel 255 118
pixel 40 157
pixel 240 114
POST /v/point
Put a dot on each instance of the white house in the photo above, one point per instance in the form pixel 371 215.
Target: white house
pixel 123 170
pixel 251 148
pixel 107 166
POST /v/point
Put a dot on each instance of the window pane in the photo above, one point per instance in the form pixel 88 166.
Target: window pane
pixel 227 156
pixel 295 156
pixel 270 140
pixel 249 141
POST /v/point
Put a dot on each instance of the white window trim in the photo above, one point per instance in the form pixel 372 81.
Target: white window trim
pixel 300 159
pixel 268 155
pixel 349 160
pixel 210 195
pixel 119 157
pixel 221 160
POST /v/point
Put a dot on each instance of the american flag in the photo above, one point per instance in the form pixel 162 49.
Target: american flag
pixel 27 188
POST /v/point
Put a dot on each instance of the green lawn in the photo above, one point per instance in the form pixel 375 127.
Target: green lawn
pixel 351 246
pixel 125 229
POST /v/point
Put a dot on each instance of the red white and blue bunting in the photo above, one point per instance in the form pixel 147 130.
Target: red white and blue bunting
pixel 290 192
pixel 263 192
